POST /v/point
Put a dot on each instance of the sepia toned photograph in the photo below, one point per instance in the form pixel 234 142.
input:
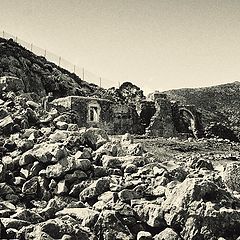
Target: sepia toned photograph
pixel 120 119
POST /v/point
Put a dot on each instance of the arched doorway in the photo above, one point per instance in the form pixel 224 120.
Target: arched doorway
pixel 187 122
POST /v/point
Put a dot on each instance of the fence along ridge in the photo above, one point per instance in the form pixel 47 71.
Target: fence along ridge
pixel 83 73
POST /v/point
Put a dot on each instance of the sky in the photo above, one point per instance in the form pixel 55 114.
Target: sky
pixel 155 44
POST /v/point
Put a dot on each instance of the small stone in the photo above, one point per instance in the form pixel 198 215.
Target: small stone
pixel 62 125
pixel 168 233
pixel 61 188
pixel 31 186
pixel 143 235
pixel 130 168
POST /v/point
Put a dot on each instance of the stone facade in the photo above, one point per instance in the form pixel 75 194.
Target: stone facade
pixel 156 117
pixel 171 118
pixel 102 113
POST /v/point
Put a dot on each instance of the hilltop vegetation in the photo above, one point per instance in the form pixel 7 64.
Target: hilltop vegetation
pixel 218 103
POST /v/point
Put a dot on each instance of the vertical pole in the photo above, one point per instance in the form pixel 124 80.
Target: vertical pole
pixel 3 34
pixel 118 84
pixel 100 82
pixel 59 61
pixel 16 39
pixel 45 53
pixel 83 73
pixel 31 47
pixel 74 68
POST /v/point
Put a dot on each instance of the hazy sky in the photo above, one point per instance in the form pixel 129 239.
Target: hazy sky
pixel 156 44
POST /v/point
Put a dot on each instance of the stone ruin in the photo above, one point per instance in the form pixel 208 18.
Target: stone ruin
pixel 156 116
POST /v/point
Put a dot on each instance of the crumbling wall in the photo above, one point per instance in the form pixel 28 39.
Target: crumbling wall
pixel 162 122
pixel 147 110
pixel 126 119
pixel 187 119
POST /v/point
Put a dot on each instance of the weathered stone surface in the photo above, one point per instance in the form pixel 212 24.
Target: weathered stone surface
pixel 135 149
pixel 111 162
pixel 143 235
pixel 231 176
pixel 6 124
pixel 47 152
pixel 128 194
pixel 62 125
pixel 87 217
pixel 168 233
pixel 59 169
pixel 150 213
pixel 61 188
pixel 5 189
pixel 28 215
pixel 95 189
pixel 95 137
pixel 127 138
pixel 65 165
pixel 201 163
pixel 108 226
pixel 31 187
pixel 76 175
pixel 84 154
pixel 14 223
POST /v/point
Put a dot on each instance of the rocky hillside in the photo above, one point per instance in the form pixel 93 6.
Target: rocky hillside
pixel 218 103
pixel 61 182
pixel 39 75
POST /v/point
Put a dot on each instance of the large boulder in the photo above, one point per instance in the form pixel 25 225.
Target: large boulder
pixel 151 214
pixel 95 189
pixel 108 226
pixel 185 210
pixel 86 216
pixel 95 137
pixel 231 176
pixel 45 153
pixel 6 121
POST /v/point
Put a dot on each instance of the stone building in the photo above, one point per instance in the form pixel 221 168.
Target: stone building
pixel 157 116
pixel 169 118
pixel 102 113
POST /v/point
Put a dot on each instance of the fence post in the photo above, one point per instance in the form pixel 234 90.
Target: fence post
pixel 16 39
pixel 74 68
pixel 45 53
pixel 83 74
pixel 3 34
pixel 59 61
pixel 100 82
pixel 31 47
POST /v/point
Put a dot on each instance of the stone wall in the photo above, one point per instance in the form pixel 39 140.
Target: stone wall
pixel 126 119
pixel 162 122
pixel 160 117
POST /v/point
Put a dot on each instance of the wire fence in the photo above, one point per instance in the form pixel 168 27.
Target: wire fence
pixel 62 62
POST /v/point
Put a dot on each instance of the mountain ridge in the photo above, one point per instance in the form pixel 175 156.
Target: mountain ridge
pixel 219 103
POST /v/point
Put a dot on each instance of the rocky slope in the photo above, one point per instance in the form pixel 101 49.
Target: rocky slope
pixel 39 75
pixel 61 182
pixel 218 103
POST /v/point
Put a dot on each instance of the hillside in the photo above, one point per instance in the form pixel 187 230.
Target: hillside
pixel 39 75
pixel 218 103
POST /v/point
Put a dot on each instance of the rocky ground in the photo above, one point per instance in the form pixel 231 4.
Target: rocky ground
pixel 61 182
